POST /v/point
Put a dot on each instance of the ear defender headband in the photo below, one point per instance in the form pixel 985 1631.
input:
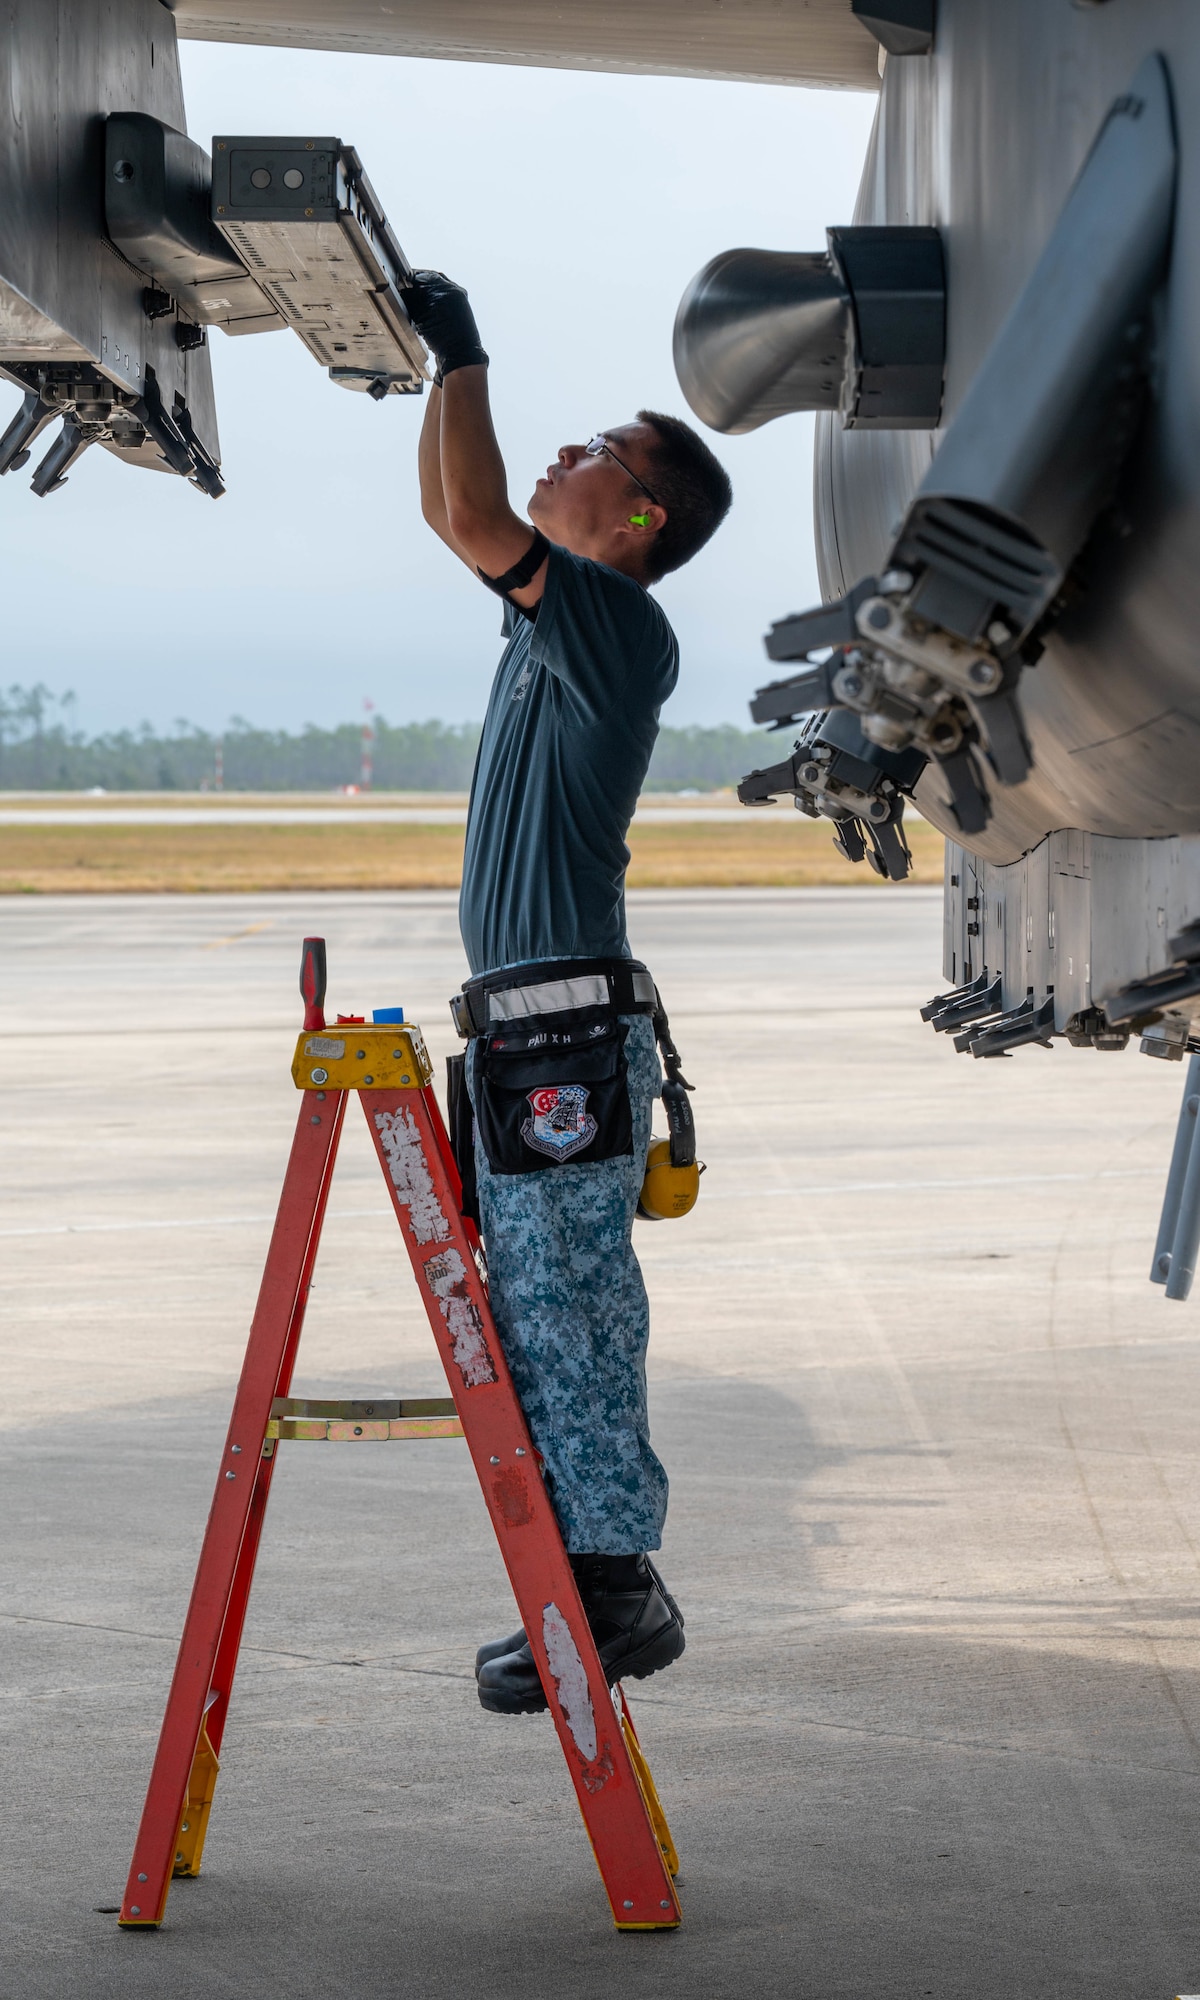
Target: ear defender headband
pixel 639 520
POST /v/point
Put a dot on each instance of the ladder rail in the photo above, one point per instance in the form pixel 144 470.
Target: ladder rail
pixel 229 1645
pixel 611 1799
pixel 274 1334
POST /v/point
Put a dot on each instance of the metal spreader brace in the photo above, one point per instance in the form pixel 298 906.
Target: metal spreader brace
pixel 389 1068
pixel 1178 1245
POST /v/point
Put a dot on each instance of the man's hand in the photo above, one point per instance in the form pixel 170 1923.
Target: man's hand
pixel 441 312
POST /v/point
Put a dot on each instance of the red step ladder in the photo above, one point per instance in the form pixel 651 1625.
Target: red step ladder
pixel 389 1068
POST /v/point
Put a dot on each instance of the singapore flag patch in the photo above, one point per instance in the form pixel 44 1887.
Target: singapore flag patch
pixel 560 1123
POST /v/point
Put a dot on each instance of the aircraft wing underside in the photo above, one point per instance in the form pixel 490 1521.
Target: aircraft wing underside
pixel 815 42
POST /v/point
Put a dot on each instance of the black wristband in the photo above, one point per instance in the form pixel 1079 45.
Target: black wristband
pixel 462 357
pixel 518 576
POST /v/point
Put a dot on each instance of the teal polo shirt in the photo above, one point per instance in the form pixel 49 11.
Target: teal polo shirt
pixel 570 727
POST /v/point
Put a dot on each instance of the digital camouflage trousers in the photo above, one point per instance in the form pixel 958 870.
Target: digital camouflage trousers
pixel 571 1310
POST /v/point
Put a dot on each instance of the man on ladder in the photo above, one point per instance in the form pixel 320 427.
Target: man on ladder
pixel 561 1068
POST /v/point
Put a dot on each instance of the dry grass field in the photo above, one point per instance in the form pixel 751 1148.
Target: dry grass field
pixel 763 850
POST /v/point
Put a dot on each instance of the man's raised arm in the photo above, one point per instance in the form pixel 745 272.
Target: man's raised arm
pixel 464 491
pixel 429 469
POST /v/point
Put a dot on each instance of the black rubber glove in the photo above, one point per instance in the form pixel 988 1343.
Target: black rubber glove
pixel 441 312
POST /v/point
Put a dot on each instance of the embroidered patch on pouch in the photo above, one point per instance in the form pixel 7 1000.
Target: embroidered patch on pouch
pixel 560 1123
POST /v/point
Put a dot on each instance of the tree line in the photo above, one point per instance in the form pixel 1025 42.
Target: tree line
pixel 42 750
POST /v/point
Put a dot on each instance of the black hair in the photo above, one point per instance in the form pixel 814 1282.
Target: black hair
pixel 693 487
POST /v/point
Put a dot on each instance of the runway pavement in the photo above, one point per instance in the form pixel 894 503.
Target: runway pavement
pixel 931 1436
pixel 36 809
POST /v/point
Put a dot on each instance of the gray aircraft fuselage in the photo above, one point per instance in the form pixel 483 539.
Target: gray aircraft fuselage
pixel 983 139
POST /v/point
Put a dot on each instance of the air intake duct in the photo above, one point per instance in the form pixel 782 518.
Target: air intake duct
pixel 859 327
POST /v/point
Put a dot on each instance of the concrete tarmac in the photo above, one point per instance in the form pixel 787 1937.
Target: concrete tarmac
pixel 934 1524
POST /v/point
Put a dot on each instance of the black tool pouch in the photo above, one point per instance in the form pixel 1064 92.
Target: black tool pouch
pixel 555 1094
pixel 460 1127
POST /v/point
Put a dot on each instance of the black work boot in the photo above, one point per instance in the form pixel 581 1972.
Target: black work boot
pixel 495 1649
pixel 637 1631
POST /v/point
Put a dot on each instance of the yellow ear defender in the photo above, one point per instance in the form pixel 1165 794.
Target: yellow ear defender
pixel 672 1178
pixel 667 1191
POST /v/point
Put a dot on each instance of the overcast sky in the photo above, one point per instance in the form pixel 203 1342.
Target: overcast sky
pixel 575 208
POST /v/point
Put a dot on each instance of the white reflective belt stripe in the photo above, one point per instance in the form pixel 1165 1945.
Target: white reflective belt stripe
pixel 643 986
pixel 555 996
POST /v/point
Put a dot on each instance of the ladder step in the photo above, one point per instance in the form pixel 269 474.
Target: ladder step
pixel 331 1430
pixel 315 1420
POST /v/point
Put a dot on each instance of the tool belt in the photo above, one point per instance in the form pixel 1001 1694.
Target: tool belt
pixel 549 1067
pixel 553 986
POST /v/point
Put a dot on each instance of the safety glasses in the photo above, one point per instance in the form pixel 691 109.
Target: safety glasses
pixel 601 444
